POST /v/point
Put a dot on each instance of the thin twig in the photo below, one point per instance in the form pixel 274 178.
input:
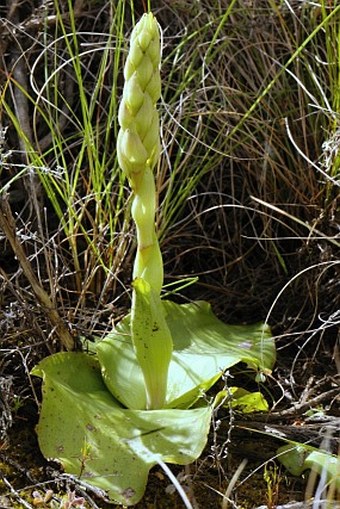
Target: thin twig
pixel 15 494
pixel 7 224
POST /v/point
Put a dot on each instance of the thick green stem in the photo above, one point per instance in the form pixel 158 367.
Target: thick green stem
pixel 148 263
pixel 152 341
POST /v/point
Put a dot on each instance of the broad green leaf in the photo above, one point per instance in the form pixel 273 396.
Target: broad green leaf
pixel 247 402
pixel 83 427
pixel 152 342
pixel 203 346
pixel 298 457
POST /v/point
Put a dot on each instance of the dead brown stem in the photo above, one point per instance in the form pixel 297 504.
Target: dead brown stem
pixel 7 224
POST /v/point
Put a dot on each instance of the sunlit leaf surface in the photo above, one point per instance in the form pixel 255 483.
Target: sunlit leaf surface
pixel 203 346
pixel 97 440
pixel 298 457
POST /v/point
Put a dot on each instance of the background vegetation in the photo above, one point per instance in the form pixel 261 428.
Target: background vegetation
pixel 248 201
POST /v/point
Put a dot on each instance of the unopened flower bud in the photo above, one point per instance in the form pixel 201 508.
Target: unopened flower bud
pixel 132 155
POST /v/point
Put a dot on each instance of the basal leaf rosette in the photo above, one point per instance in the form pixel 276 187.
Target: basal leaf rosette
pixel 93 418
pixel 203 347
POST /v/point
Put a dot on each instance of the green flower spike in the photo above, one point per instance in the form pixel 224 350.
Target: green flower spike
pixel 138 144
pixel 138 148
